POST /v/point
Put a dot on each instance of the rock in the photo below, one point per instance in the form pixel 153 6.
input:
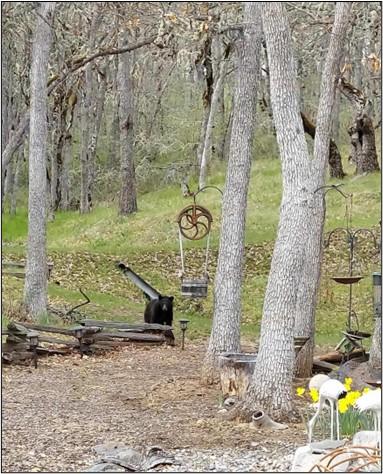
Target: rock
pixel 105 467
pixel 326 445
pixel 305 458
pixel 366 438
pixel 108 448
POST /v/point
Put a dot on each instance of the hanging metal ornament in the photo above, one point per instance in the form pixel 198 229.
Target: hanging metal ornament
pixel 194 223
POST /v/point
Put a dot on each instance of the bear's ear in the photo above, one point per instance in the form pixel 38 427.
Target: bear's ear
pixel 171 298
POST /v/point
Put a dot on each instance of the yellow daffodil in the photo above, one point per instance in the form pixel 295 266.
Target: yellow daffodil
pixel 347 383
pixel 343 405
pixel 352 397
pixel 314 394
pixel 300 391
pixel 366 390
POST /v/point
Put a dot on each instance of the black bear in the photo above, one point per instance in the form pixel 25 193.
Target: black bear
pixel 160 311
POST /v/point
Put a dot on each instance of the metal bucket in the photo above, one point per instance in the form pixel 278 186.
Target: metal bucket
pixel 194 288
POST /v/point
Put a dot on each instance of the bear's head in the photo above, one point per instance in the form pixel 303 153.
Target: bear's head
pixel 166 303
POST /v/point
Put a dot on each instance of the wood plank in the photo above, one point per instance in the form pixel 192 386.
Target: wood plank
pixel 15 274
pixel 17 355
pixel 52 329
pixel 13 264
pixel 131 336
pixel 53 340
pixel 123 325
pixel 49 351
pixel 335 356
pixel 11 346
pixel 323 366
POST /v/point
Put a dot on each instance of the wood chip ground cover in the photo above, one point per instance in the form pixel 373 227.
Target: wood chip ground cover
pixel 138 396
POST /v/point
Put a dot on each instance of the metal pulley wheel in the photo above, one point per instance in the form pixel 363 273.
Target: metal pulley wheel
pixel 194 222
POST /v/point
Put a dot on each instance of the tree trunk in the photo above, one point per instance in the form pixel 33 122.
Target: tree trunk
pixel 310 276
pixel 35 289
pixel 114 128
pixel 271 386
pixel 375 359
pixel 335 160
pixel 362 133
pixel 236 371
pixel 217 92
pixel 65 176
pixel 88 119
pixel 15 190
pixel 128 195
pixel 207 96
pixel 225 335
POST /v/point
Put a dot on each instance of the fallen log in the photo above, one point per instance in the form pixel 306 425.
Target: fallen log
pixel 131 336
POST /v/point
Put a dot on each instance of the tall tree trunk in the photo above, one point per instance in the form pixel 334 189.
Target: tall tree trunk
pixel 271 384
pixel 220 127
pixel 114 129
pixel 225 334
pixel 128 195
pixel 308 287
pixel 65 176
pixel 88 118
pixel 217 92
pixel 35 289
pixel 206 97
pixel 15 189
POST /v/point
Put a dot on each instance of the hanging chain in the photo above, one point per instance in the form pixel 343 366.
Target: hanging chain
pixel 207 253
pixel 181 251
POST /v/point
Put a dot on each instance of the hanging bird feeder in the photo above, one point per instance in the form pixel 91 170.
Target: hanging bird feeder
pixel 349 273
pixel 194 223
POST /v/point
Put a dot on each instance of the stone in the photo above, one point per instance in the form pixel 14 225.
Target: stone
pixel 326 445
pixel 305 459
pixel 366 438
pixel 105 467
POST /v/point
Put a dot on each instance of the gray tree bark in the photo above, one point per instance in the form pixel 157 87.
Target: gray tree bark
pixel 271 385
pixel 88 119
pixel 217 92
pixel 128 195
pixel 35 289
pixel 293 282
pixel 375 358
pixel 225 334
pixel 15 189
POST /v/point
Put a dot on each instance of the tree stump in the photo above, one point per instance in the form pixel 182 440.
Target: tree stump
pixel 236 370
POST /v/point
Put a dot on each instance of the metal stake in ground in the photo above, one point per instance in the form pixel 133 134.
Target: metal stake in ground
pixel 184 326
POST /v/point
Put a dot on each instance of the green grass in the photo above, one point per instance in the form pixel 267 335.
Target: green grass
pixel 84 247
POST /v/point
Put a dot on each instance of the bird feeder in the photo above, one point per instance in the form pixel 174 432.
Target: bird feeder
pixel 350 275
pixel 377 286
pixel 194 223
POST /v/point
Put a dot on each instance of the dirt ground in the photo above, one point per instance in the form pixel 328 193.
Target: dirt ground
pixel 141 396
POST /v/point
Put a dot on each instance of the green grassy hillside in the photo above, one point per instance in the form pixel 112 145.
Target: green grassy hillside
pixel 85 247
